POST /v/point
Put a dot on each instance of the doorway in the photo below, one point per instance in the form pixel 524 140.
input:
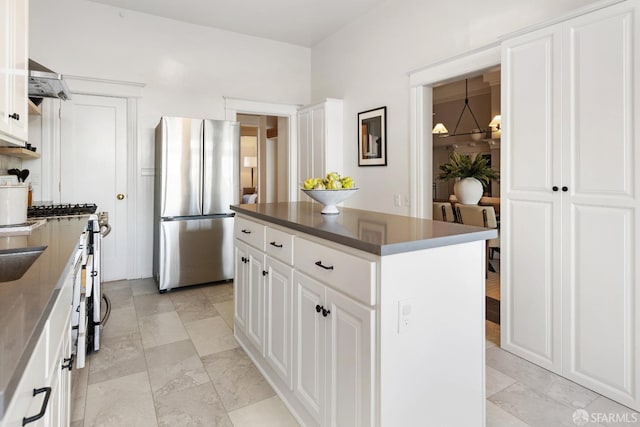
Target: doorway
pixel 423 83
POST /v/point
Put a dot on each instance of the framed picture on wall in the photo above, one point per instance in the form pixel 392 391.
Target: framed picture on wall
pixel 372 137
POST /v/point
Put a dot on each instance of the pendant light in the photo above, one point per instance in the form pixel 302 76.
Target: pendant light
pixel 440 130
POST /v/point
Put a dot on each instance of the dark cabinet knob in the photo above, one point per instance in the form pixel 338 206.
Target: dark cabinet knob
pixel 14 116
pixel 264 273
pixel 318 308
pixel 325 312
pixel 565 188
pixel 555 188
pixel 67 363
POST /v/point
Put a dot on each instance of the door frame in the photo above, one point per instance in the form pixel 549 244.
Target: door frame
pixel 421 82
pixel 131 92
pixel 235 106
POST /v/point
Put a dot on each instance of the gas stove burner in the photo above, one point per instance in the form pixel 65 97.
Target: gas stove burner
pixel 69 209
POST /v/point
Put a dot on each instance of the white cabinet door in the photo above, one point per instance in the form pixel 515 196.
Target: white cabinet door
pixel 600 208
pixel 350 361
pixel 530 220
pixel 278 334
pixel 571 213
pixel 309 340
pixel 240 286
pixel 320 140
pixel 14 15
pixel 255 299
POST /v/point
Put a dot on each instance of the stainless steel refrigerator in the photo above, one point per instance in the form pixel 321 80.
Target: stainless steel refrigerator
pixel 197 178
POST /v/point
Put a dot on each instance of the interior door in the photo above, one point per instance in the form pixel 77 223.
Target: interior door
pixel 93 168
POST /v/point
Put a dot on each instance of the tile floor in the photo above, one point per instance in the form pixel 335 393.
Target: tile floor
pixel 171 360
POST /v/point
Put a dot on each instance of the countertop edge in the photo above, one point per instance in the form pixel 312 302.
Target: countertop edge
pixel 381 250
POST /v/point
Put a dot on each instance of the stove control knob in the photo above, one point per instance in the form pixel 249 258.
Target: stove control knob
pixel 120 196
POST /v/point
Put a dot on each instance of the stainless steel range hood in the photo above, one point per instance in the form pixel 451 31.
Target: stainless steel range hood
pixel 44 83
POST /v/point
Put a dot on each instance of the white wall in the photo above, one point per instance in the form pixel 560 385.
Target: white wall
pixel 366 64
pixel 187 69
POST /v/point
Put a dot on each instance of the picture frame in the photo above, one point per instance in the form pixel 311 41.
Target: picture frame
pixel 372 137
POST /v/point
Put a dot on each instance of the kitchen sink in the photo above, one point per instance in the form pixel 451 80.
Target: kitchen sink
pixel 15 262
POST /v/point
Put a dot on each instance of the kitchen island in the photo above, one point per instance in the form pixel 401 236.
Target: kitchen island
pixel 363 318
pixel 27 308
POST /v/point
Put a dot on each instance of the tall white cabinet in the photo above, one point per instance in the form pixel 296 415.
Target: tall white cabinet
pixel 320 139
pixel 571 189
pixel 14 45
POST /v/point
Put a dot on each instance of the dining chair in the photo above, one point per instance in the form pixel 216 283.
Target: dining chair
pixel 442 211
pixel 481 216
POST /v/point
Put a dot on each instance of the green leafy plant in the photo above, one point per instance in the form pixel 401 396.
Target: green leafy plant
pixel 461 166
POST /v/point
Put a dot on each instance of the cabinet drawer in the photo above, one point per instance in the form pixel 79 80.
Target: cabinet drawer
pixel 250 232
pixel 279 245
pixel 347 273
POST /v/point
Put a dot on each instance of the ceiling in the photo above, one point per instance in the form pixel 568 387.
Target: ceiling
pixel 300 22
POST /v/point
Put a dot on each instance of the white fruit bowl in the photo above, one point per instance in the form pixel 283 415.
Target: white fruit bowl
pixel 330 198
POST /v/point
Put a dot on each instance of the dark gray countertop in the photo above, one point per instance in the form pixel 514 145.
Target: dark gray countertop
pixel 26 303
pixel 374 232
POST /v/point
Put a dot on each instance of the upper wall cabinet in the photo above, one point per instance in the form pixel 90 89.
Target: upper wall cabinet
pixel 319 140
pixel 14 16
pixel 571 211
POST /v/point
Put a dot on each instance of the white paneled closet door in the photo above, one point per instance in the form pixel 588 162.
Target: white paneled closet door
pixel 530 219
pixel 571 189
pixel 601 203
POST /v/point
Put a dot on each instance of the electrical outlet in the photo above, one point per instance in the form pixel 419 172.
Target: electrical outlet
pixel 405 315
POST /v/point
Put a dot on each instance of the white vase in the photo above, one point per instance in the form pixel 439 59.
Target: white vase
pixel 468 191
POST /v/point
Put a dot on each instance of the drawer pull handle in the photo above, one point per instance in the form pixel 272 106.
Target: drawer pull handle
pixel 246 231
pixel 68 363
pixel 43 409
pixel 14 116
pixel 264 272
pixel 325 312
pixel 244 260
pixel 319 264
pixel 318 308
pixel 275 244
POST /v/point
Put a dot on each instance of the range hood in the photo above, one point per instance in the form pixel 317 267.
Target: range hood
pixel 44 83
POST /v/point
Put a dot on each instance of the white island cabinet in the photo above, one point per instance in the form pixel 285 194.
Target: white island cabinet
pixel 363 318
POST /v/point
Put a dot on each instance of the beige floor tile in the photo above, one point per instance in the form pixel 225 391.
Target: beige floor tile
pixel 496 417
pixel 118 357
pixel 119 297
pixel 535 409
pixel 605 411
pixel 236 379
pixel 523 371
pixel 174 367
pixel 143 286
pixel 226 311
pixel 196 406
pixel 219 292
pixel 122 321
pixel 77 423
pixel 149 304
pixel 163 328
pixel 496 381
pixel 211 335
pixel 124 401
pixel 266 413
pixel 192 305
pixel 571 394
